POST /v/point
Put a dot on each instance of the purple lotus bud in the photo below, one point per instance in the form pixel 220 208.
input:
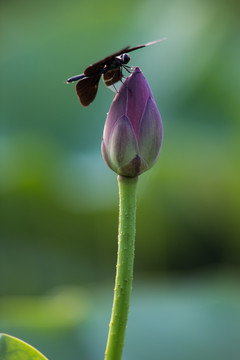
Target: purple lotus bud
pixel 132 136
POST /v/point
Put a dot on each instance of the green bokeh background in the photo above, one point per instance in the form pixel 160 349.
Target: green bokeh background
pixel 59 201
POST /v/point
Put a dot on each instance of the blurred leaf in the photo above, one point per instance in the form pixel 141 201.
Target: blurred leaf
pixel 12 348
pixel 63 308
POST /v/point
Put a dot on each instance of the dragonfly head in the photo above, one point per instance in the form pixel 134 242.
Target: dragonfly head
pixel 125 58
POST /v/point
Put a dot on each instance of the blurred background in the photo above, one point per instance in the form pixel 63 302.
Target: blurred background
pixel 59 200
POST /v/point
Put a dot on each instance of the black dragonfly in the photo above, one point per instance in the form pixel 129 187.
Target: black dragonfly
pixel 110 68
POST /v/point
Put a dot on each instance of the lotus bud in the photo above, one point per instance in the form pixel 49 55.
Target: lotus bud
pixel 133 132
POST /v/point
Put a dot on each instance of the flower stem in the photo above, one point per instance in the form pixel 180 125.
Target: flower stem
pixel 124 272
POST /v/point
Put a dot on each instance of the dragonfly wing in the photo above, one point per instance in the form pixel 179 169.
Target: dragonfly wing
pixel 144 45
pixel 96 68
pixel 87 89
pixel 112 76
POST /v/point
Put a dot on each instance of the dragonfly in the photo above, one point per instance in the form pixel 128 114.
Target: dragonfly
pixel 109 68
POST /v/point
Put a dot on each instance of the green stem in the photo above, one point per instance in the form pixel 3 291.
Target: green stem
pixel 124 273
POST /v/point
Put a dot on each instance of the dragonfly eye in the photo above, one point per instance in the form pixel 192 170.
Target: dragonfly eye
pixel 125 58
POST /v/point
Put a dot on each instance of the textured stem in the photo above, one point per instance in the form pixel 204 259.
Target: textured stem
pixel 124 273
